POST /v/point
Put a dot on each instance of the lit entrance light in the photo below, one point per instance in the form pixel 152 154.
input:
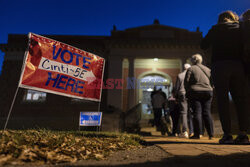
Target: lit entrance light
pixel 150 89
pixel 156 59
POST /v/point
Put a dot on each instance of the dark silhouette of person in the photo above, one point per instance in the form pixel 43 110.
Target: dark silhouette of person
pixel 153 92
pixel 174 113
pixel 228 73
pixel 199 92
pixel 158 99
pixel 245 34
pixel 180 95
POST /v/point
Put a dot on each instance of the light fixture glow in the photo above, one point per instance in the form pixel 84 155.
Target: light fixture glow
pixel 150 89
pixel 156 59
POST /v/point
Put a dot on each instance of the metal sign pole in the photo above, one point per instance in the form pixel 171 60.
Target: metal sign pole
pixel 99 106
pixel 12 104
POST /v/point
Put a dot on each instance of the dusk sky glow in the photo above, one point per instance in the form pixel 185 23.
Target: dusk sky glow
pixel 97 17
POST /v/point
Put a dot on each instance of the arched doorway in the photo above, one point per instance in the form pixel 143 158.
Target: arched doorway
pixel 147 84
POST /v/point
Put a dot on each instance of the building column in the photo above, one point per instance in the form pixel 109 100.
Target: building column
pixel 131 84
pixel 114 96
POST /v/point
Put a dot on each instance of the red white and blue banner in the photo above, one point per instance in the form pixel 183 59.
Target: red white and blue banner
pixel 55 67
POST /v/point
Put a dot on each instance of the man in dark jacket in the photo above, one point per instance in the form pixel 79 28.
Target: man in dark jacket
pixel 228 73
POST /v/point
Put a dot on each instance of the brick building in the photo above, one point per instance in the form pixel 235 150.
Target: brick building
pixel 133 55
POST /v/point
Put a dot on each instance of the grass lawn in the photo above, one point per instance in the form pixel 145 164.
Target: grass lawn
pixel 52 147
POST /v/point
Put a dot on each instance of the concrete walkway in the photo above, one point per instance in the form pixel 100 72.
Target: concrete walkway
pixel 193 147
pixel 202 150
pixel 187 147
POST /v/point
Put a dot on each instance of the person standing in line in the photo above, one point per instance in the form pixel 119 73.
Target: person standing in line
pixel 245 31
pixel 180 95
pixel 228 74
pixel 174 113
pixel 158 100
pixel 190 120
pixel 245 28
pixel 199 91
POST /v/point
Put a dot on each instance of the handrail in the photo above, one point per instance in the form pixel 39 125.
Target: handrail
pixel 131 119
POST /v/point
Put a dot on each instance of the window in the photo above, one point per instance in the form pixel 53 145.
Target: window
pixel 36 96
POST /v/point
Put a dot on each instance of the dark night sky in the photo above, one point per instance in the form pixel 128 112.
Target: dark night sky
pixel 97 17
